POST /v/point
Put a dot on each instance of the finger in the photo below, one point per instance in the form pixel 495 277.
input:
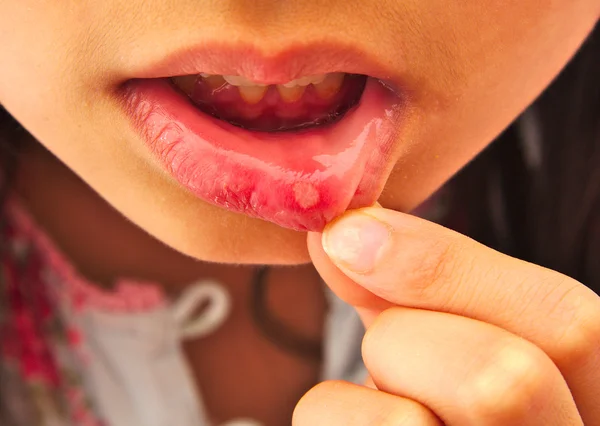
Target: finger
pixel 341 284
pixel 336 403
pixel 422 265
pixel 466 371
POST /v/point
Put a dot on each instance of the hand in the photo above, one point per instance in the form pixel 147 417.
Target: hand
pixel 457 333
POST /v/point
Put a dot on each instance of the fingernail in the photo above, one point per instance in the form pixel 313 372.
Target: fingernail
pixel 356 241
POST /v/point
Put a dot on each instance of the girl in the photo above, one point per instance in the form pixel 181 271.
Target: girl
pixel 173 147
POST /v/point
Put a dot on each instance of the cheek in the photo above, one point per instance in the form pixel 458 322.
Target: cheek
pixel 44 53
pixel 489 61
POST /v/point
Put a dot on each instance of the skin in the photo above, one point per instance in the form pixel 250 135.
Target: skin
pixel 468 68
pixel 469 62
pixel 474 336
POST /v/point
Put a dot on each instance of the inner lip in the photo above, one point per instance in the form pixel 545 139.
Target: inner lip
pixel 299 179
pixel 271 108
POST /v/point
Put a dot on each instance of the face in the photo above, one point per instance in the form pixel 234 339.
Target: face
pixel 89 79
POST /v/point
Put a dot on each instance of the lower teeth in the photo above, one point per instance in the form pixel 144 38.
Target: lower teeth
pixel 272 110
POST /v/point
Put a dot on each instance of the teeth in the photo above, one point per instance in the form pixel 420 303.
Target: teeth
pixel 290 94
pixel 238 80
pixel 330 86
pixel 326 86
pixel 252 94
pixel 305 81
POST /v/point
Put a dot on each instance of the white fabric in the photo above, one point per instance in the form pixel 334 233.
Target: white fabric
pixel 137 373
pixel 139 376
pixel 212 317
pixel 242 422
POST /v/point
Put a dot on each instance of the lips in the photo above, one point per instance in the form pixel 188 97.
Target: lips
pixel 299 179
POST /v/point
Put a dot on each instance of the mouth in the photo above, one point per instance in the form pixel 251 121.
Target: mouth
pixel 295 138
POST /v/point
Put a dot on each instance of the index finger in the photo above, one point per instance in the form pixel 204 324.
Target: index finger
pixel 423 265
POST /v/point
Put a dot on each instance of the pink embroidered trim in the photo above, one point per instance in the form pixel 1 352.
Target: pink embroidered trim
pixel 46 350
pixel 128 295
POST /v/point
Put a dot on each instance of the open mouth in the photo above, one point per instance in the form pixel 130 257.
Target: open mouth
pixel 302 103
pixel 294 151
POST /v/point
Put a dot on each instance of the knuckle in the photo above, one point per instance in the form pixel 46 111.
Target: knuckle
pixel 437 267
pixel 442 274
pixel 578 341
pixel 508 385
pixel 441 262
pixel 376 334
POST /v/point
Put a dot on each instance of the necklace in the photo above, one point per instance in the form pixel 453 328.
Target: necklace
pixel 274 329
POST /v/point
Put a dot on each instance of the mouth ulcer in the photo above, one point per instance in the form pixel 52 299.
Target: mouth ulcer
pixel 293 141
pixel 303 103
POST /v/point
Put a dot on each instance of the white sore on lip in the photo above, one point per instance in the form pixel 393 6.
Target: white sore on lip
pixel 306 194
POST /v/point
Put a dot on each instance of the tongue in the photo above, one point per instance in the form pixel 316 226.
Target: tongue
pixel 272 113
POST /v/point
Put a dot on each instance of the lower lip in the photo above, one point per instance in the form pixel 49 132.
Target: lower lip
pixel 299 180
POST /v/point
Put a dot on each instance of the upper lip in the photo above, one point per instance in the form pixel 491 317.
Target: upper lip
pixel 281 66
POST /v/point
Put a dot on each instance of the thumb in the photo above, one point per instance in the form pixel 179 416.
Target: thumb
pixel 366 303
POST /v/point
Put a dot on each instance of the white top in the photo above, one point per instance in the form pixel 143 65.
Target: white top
pixel 139 376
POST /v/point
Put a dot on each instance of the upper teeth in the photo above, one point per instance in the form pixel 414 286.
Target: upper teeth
pixel 325 86
pixel 305 81
pixel 238 80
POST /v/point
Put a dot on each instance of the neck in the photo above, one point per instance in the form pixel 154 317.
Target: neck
pixel 103 244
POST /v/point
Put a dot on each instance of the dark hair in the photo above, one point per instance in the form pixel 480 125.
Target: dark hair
pixel 541 177
pixel 11 134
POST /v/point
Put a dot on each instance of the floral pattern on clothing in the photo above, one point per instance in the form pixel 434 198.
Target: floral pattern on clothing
pixel 43 353
pixel 42 348
pixel 41 380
